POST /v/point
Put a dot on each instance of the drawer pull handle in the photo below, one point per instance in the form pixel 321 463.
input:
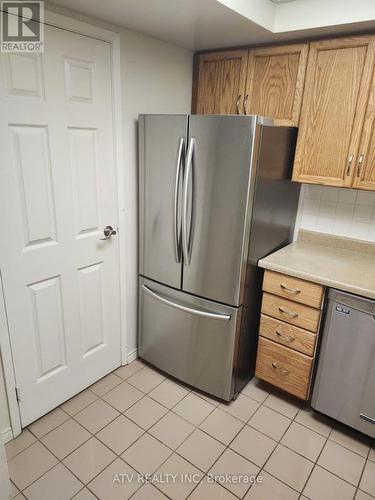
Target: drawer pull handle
pixel 295 291
pixel 283 371
pixel 288 338
pixel 288 313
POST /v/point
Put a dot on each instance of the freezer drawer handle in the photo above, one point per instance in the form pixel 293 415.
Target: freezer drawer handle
pixel 290 290
pixel 367 418
pixel 283 371
pixel 283 336
pixel 288 313
pixel 198 312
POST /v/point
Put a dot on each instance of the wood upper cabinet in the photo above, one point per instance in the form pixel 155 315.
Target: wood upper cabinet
pixel 337 88
pixel 364 173
pixel 221 82
pixel 275 80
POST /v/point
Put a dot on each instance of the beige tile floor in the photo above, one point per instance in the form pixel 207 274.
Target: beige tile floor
pixel 136 421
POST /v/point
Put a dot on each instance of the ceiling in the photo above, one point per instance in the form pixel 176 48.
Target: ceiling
pixel 208 24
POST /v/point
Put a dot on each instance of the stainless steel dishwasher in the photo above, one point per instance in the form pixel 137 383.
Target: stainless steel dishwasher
pixel 345 380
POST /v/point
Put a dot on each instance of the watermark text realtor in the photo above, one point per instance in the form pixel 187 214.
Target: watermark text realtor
pixel 185 478
pixel 22 28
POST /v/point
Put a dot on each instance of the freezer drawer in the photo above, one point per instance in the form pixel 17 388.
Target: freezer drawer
pixel 189 338
pixel 345 381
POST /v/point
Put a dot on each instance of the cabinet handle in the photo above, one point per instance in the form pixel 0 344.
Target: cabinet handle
pixel 360 162
pixel 288 313
pixel 290 290
pixel 245 104
pixel 349 168
pixel 288 338
pixel 283 371
pixel 238 104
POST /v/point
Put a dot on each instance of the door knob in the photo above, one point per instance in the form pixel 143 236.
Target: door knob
pixel 108 232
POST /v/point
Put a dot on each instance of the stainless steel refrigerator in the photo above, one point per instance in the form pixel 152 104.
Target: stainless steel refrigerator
pixel 215 196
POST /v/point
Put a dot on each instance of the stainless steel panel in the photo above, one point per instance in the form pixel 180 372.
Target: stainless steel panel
pixel 189 338
pixel 161 156
pixel 345 380
pixel 276 198
pixel 218 205
pixel 274 207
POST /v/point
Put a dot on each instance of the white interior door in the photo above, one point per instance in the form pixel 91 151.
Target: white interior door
pixel 57 193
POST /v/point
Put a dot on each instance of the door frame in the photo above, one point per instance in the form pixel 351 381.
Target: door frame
pixel 82 28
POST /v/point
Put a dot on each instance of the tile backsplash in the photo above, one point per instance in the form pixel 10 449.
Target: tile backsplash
pixel 343 212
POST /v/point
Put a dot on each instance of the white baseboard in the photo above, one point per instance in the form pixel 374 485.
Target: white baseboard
pixel 132 355
pixel 7 435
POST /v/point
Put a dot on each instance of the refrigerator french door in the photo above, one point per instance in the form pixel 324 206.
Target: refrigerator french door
pixel 200 223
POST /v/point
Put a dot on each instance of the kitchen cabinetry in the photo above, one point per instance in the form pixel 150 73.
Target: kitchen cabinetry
pixel 288 332
pixel 221 82
pixel 335 101
pixel 265 81
pixel 364 175
pixel 274 85
pixel 327 88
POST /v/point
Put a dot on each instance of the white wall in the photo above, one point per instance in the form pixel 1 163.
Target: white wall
pixel 156 78
pixel 343 212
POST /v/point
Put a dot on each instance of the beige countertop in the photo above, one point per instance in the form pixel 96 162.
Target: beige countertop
pixel 337 262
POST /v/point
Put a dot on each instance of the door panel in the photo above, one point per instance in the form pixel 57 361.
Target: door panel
pixel 219 188
pixel 221 82
pixel 57 193
pixel 159 142
pixel 275 82
pixel 335 97
pixel 178 339
pixel 364 173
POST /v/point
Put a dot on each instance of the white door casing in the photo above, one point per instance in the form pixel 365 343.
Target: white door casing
pixel 57 193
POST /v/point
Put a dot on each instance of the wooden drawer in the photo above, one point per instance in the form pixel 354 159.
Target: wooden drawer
pixel 284 368
pixel 295 289
pixel 288 335
pixel 296 314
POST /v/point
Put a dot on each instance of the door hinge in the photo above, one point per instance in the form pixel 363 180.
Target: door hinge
pixel 18 395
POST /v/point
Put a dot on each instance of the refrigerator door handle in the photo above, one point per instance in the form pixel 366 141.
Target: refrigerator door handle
pixel 185 236
pixel 198 312
pixel 176 229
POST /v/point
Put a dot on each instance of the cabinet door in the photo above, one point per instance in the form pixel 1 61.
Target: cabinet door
pixel 337 83
pixel 275 81
pixel 221 82
pixel 364 173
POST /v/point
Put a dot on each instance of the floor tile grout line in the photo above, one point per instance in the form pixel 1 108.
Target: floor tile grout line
pixel 362 472
pixel 316 461
pixel 333 473
pixel 173 451
pixel 94 436
pixel 273 451
pixel 195 427
pixel 227 446
pixel 55 465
